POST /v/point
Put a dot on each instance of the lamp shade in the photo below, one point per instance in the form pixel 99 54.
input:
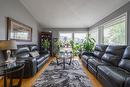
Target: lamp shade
pixel 8 45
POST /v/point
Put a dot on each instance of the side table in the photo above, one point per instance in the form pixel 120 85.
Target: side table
pixel 8 69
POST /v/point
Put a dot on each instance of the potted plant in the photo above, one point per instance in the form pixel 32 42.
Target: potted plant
pixel 89 44
pixel 76 48
pixel 46 44
pixel 72 46
pixel 56 46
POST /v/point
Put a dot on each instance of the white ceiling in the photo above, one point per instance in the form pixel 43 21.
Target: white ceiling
pixel 71 13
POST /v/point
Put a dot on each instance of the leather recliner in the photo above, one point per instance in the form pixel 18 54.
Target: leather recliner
pixel 111 56
pixel 118 74
pixel 32 64
pixel 98 52
pixel 113 68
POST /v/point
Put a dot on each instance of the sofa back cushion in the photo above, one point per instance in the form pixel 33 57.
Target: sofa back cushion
pixel 22 51
pixel 33 48
pixel 99 51
pixel 125 61
pixel 113 54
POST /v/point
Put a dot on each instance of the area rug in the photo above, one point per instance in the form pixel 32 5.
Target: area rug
pixel 55 76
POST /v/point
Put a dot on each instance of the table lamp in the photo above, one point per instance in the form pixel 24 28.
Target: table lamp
pixel 8 45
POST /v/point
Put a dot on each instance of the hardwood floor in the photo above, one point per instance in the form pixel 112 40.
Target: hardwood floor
pixel 28 82
pixel 94 81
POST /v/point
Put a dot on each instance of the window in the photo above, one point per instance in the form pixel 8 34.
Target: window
pixel 65 38
pixel 112 32
pixel 79 37
pixel 94 34
pixel 115 31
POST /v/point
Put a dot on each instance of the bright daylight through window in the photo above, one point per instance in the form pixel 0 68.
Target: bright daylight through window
pixel 72 41
pixel 79 37
pixel 94 34
pixel 115 31
pixel 65 39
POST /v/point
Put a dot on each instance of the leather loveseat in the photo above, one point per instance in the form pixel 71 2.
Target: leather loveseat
pixel 110 64
pixel 32 64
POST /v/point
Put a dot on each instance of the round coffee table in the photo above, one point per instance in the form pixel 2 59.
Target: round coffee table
pixel 64 56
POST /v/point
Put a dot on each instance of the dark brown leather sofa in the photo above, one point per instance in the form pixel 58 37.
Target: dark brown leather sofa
pixel 110 65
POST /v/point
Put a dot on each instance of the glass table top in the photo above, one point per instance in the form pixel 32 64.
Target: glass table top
pixel 65 54
pixel 9 67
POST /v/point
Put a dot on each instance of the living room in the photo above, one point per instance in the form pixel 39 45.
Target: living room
pixel 64 43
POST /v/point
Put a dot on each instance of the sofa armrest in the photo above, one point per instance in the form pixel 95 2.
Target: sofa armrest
pixel 87 53
pixel 30 66
pixel 44 52
pixel 25 59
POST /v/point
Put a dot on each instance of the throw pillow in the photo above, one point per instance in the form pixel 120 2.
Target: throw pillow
pixel 34 54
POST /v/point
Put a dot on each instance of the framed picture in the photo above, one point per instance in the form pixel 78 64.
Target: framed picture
pixel 18 31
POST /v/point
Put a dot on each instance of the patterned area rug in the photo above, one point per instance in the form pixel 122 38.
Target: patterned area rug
pixel 71 76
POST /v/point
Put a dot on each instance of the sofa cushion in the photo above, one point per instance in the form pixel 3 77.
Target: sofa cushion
pixel 84 57
pixel 40 59
pixel 101 48
pixel 22 50
pixel 23 55
pixel 46 55
pixel 84 62
pixel 98 54
pixel 33 48
pixel 112 59
pixel 125 61
pixel 115 75
pixel 115 50
pixel 113 54
pixel 99 51
pixel 95 62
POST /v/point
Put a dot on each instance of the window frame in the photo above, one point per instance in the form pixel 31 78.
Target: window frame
pixel 110 23
pixel 73 33
pixel 65 32
pixel 98 41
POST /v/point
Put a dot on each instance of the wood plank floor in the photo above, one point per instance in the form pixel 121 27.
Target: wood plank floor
pixel 28 82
